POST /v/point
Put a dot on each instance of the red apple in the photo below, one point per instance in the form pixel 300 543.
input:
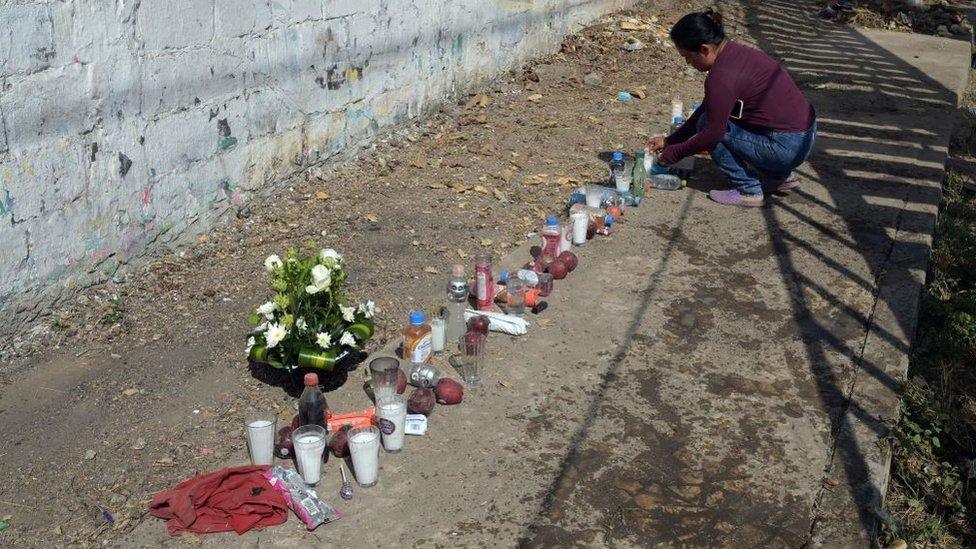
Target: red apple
pixel 478 324
pixel 558 269
pixel 570 259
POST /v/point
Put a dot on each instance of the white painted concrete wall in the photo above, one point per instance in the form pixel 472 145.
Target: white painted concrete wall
pixel 129 125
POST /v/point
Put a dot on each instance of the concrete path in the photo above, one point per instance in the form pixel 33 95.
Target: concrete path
pixel 708 376
pixel 763 350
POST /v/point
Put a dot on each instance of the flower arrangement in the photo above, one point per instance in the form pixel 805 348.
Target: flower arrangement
pixel 308 323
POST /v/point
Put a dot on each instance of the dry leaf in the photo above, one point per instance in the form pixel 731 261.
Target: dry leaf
pixel 372 218
pixel 321 195
pixel 505 384
pixel 459 187
pixel 480 189
pixel 534 97
pixel 633 26
pixel 139 444
pixel 416 243
pixel 436 186
pixel 486 242
pixel 130 392
pixel 480 100
pixel 639 93
pixel 461 254
pixel 498 194
pixel 419 161
pixel 57 530
pixel 469 120
pixel 431 270
pixel 487 150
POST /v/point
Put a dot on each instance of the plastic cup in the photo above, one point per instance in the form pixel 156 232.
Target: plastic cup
pixel 516 297
pixel 545 284
pixel 383 371
pixel 309 441
pixel 392 414
pixel 260 432
pixel 472 347
pixel 594 195
pixel 364 447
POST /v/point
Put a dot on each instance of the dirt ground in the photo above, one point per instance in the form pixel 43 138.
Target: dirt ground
pixel 732 438
pixel 136 385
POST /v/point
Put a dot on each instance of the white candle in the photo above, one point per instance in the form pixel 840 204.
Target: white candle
pixel 437 332
pixel 580 222
pixel 260 441
pixel 364 447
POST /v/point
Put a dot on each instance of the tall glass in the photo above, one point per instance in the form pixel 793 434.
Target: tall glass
pixel 260 439
pixel 392 414
pixel 364 447
pixel 516 297
pixel 472 347
pixel 383 371
pixel 309 441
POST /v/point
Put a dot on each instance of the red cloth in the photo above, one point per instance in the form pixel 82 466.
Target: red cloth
pixel 236 498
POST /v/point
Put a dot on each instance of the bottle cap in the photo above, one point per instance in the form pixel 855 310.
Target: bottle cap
pixel 617 155
pixel 610 219
pixel 679 120
pixel 552 221
pixel 311 379
pixel 532 297
pixel 458 271
pixel 417 317
pixel 695 106
pixel 503 277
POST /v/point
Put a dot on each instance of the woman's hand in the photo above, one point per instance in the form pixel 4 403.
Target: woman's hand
pixel 655 144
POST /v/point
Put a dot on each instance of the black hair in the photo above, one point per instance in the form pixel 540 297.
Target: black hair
pixel 695 30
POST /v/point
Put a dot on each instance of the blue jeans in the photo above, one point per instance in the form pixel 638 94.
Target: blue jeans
pixel 747 156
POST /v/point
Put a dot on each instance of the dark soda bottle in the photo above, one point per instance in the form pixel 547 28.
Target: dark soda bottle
pixel 311 405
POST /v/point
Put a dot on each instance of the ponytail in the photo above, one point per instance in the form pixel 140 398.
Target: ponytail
pixel 695 30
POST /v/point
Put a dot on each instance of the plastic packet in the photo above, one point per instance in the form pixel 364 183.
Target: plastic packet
pixel 301 499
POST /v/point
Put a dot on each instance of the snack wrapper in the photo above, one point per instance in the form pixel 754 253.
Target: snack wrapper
pixel 301 498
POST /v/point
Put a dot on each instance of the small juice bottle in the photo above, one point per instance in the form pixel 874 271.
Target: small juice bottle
pixel 418 345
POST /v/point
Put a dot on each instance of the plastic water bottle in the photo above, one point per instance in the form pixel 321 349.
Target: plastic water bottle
pixel 667 182
pixel 551 237
pixel 677 107
pixel 677 122
pixel 617 167
pixel 639 177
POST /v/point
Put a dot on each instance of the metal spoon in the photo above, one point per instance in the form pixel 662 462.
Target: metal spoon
pixel 346 491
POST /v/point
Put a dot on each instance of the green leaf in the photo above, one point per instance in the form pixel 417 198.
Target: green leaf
pixel 935 443
pixel 254 319
pixel 4 525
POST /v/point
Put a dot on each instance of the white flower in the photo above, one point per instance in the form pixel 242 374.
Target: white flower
pixel 250 344
pixel 262 327
pixel 323 339
pixel 272 262
pixel 301 324
pixel 367 309
pixel 274 335
pixel 267 310
pixel 321 278
pixel 347 339
pixel 348 313
pixel 330 257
